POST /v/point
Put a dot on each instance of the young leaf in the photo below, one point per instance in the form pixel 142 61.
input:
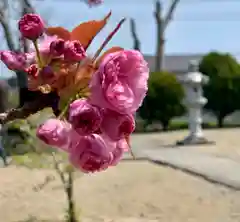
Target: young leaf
pixel 111 50
pixel 86 32
pixel 58 31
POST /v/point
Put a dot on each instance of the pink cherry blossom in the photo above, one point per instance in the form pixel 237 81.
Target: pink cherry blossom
pixel 74 51
pixel 14 61
pixel 55 132
pixel 44 49
pixel 92 153
pixel 31 26
pixel 84 117
pixel 57 47
pixel 117 126
pixel 120 83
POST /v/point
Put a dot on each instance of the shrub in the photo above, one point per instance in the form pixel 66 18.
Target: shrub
pixel 222 91
pixel 163 101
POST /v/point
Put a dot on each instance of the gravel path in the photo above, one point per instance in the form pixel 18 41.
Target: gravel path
pixel 131 192
pixel 136 191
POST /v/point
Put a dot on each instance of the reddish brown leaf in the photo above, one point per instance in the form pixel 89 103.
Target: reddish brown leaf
pixel 111 50
pixel 58 31
pixel 87 31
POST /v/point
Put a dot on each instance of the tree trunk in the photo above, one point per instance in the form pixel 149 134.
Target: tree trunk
pixel 160 54
pixel 165 124
pixel 22 88
pixel 3 97
pixel 162 23
pixel 220 121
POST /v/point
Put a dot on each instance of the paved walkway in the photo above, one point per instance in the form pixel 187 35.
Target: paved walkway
pixel 221 170
pixel 214 168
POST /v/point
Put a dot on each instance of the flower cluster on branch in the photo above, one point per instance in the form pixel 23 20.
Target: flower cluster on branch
pixel 94 98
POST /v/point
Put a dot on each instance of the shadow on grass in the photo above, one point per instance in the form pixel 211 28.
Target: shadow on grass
pixel 37 160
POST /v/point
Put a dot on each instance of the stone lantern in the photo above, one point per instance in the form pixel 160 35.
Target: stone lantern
pixel 194 101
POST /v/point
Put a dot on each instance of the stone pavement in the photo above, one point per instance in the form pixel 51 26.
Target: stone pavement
pixel 214 168
pixel 220 170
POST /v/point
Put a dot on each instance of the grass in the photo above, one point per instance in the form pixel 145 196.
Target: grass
pixel 181 125
pixel 34 160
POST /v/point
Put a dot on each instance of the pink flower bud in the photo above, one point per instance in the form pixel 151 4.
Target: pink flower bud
pixel 94 2
pixel 32 71
pixel 117 126
pixel 14 61
pixel 57 47
pixel 55 132
pixel 84 117
pixel 74 51
pixel 31 26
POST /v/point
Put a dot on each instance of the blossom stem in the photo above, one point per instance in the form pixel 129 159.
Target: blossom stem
pixel 65 109
pixel 132 154
pixel 38 53
pixel 76 96
pixel 108 39
pixel 62 114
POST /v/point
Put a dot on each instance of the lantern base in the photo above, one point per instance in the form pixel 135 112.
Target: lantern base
pixel 193 140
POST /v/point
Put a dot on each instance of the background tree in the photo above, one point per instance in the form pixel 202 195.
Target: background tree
pixel 164 99
pixel 15 43
pixel 162 21
pixel 3 96
pixel 222 91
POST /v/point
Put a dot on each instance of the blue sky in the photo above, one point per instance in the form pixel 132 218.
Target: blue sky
pixel 199 26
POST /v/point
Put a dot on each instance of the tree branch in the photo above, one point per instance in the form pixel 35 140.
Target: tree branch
pixel 7 33
pixel 169 14
pixel 26 8
pixel 59 171
pixel 41 101
pixel 68 188
pixel 159 37
pixel 136 41
pixel 158 11
pixel 4 8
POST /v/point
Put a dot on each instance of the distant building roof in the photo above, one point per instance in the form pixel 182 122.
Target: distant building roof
pixel 174 63
pixel 178 62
